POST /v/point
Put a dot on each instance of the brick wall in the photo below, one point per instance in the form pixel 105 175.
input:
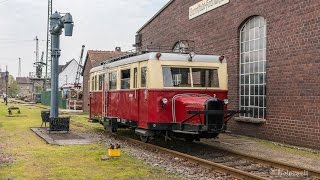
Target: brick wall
pixel 86 77
pixel 293 59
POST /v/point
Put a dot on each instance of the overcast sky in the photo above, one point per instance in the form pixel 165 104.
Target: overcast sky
pixel 99 24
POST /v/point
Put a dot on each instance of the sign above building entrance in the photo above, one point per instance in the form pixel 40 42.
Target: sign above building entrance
pixel 205 6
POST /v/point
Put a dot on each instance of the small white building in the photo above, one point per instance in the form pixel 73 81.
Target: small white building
pixel 68 73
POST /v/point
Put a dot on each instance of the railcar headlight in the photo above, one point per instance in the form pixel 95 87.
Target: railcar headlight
pixel 226 101
pixel 164 101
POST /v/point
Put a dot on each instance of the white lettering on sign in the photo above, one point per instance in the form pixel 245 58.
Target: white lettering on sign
pixel 205 6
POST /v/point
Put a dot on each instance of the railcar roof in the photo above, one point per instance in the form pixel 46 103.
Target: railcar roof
pixel 164 57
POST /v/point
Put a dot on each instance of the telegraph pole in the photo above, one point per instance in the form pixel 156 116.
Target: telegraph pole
pixel 57 24
pixel 19 69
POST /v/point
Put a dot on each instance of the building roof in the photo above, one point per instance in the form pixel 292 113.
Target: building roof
pixel 97 57
pixel 63 67
pixel 23 80
pixel 156 15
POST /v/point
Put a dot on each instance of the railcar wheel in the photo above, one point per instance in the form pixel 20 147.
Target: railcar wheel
pixel 145 139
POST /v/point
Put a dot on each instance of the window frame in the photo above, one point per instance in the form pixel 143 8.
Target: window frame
pixel 191 76
pixel 145 78
pixel 129 70
pixel 252 67
pixel 116 80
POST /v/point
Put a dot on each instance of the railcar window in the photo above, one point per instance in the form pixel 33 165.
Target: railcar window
pixel 176 77
pixel 135 80
pixel 205 77
pixel 95 83
pixel 101 80
pixel 125 79
pixel 113 80
pixel 144 77
pixel 92 83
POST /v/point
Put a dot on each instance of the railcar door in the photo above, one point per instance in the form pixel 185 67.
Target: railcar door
pixel 135 98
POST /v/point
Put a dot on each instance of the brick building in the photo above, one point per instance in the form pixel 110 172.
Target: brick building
pixel 272 48
pixel 25 86
pixel 93 59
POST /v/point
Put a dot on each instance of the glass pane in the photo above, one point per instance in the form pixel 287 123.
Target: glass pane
pixel 125 79
pixel 205 77
pixel 255 113
pixel 261 57
pixel 261 101
pixel 242 101
pixel 246 36
pixel 143 76
pixel 247 89
pixel 246 46
pixel 256 67
pixel 257 33
pixel 261 90
pixel 251 67
pixel 135 77
pixel 256 79
pixel 246 79
pixel 261 112
pixel 242 79
pixel 242 47
pixel 251 57
pixel 256 90
pixel 246 100
pixel 176 77
pixel 251 79
pixel 261 68
pixel 255 56
pixel 242 69
pixel 252 93
pixel 242 90
pixel 246 68
pixel 246 57
pixel 251 44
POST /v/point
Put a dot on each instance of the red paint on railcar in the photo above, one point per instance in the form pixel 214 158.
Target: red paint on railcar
pixel 144 105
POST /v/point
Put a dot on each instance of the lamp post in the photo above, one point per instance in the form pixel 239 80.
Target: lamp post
pixel 58 22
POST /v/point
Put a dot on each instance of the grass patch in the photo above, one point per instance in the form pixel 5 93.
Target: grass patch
pixel 35 159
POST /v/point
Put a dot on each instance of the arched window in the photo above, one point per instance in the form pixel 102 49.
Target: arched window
pixel 253 67
pixel 181 47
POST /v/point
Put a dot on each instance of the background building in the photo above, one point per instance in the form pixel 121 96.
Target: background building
pixel 25 86
pixel 272 48
pixel 68 73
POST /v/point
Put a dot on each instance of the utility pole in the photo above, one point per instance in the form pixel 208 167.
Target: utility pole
pixel 19 69
pixel 48 49
pixel 7 80
pixel 58 22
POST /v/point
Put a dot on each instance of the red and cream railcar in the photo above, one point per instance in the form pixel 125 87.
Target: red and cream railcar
pixel 181 95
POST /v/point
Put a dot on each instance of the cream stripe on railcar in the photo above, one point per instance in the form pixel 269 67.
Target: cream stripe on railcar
pixel 156 76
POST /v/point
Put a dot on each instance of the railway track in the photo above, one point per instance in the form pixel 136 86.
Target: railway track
pixel 235 164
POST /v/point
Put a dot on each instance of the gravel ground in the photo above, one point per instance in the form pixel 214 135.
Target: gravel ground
pixel 172 165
